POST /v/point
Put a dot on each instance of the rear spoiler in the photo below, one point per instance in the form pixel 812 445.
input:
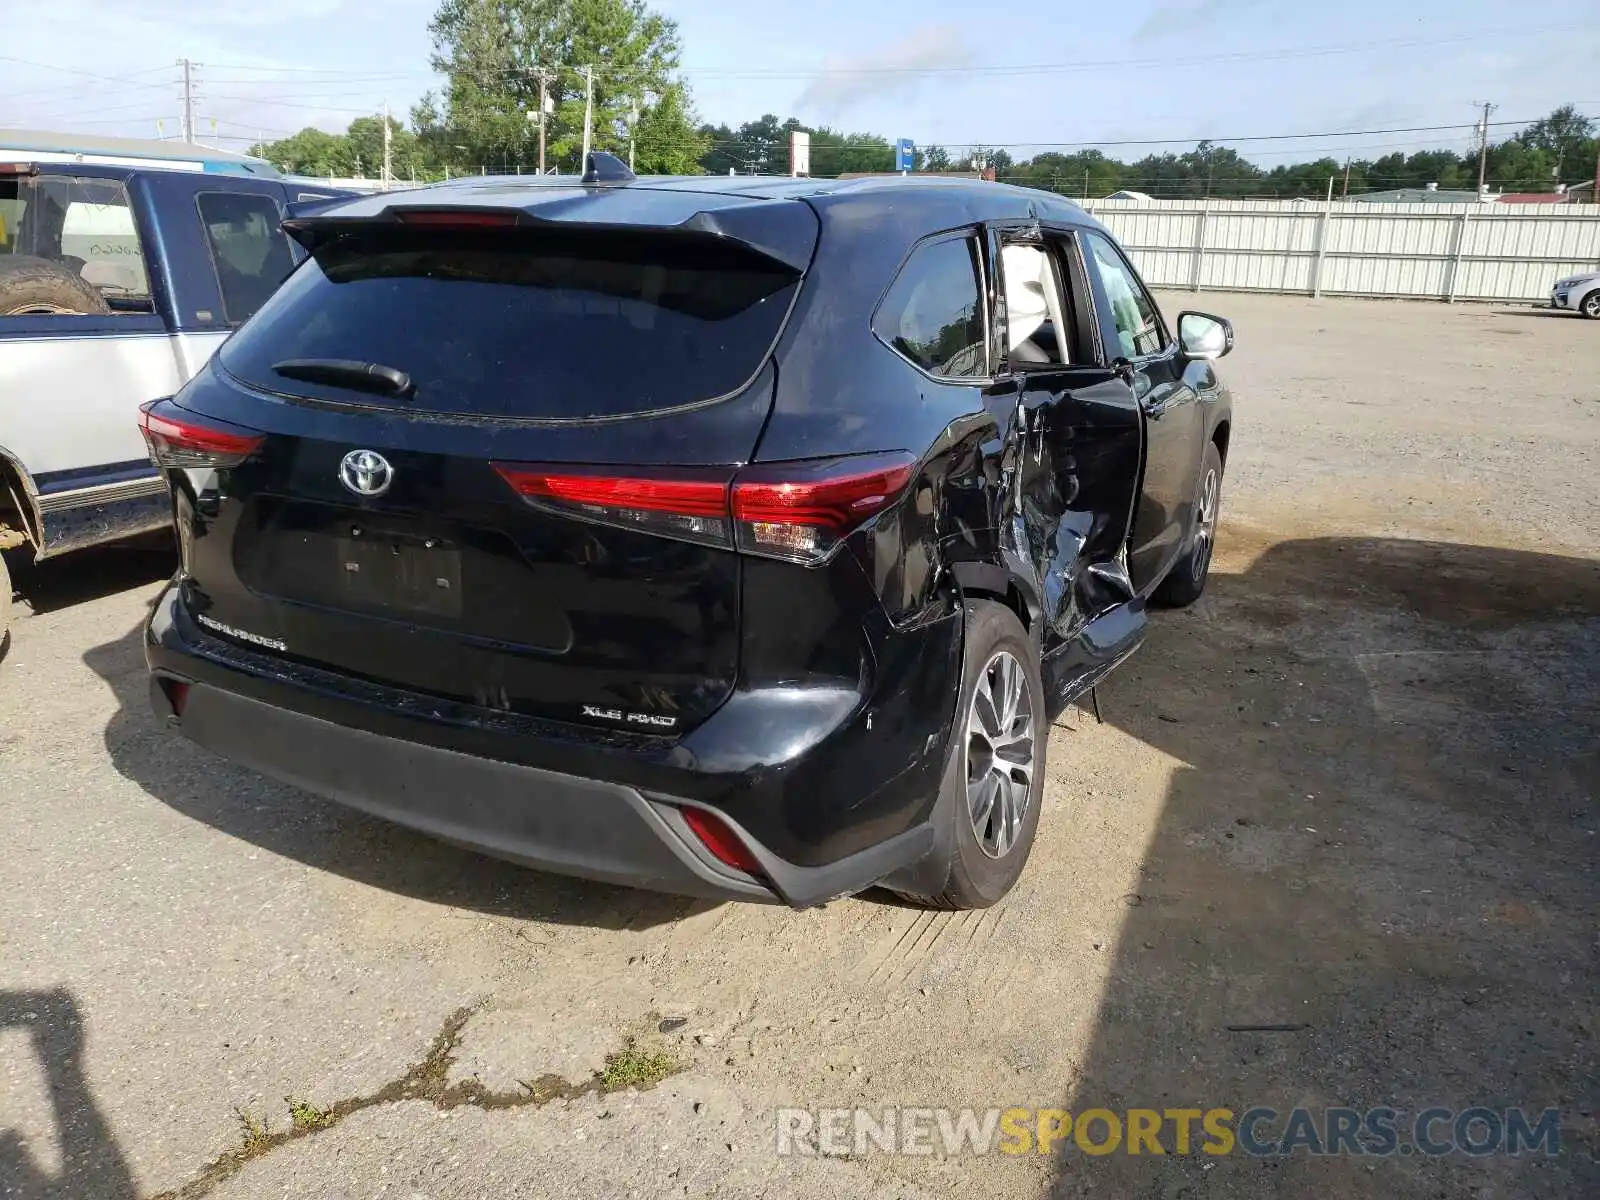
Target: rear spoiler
pixel 784 231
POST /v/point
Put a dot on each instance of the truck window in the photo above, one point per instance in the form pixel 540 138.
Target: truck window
pixel 249 251
pixel 82 225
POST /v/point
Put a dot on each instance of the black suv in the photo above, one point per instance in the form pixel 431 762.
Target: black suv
pixel 732 537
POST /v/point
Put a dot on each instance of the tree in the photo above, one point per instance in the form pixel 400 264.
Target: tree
pixel 667 141
pixel 834 153
pixel 494 53
pixel 933 158
pixel 1567 135
pixel 310 152
pixel 1515 166
pixel 365 141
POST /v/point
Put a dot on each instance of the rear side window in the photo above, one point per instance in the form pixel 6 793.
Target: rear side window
pixel 83 225
pixel 933 313
pixel 249 251
pixel 525 324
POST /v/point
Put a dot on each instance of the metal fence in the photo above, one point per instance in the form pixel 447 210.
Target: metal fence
pixel 1425 251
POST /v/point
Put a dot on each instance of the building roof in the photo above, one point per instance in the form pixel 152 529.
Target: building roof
pixel 1420 196
pixel 1532 198
pixel 38 145
pixel 1128 194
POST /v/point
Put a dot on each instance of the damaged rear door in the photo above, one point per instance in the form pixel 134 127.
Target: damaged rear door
pixel 1077 449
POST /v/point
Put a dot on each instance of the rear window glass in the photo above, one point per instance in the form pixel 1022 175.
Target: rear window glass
pixel 518 324
pixel 934 315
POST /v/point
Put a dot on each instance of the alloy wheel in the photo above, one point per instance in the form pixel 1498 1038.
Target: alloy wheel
pixel 1000 754
pixel 1205 525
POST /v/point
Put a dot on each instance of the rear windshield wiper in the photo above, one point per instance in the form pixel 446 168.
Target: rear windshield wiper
pixel 348 373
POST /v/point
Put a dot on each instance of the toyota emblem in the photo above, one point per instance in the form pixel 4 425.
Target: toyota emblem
pixel 366 473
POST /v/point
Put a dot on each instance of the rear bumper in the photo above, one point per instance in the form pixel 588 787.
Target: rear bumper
pixel 612 815
pixel 539 818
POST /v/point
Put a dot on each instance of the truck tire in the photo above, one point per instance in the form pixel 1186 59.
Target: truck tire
pixel 5 607
pixel 31 285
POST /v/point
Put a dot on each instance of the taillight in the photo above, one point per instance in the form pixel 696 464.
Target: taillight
pixel 723 843
pixel 794 510
pixel 802 510
pixel 692 505
pixel 179 438
pixel 457 218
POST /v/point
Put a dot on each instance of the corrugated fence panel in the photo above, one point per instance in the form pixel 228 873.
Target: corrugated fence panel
pixel 1440 251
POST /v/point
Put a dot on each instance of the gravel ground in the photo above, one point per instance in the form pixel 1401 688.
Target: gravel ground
pixel 1351 793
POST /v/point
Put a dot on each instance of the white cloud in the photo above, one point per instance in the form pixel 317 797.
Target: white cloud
pixel 898 70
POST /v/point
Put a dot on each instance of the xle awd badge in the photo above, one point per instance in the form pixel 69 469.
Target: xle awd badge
pixel 632 718
pixel 366 473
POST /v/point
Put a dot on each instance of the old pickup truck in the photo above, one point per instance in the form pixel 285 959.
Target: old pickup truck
pixel 118 278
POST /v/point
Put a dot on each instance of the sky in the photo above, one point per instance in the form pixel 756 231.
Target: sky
pixel 1137 72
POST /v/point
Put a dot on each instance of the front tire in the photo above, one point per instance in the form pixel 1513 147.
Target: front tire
pixel 1187 579
pixel 989 796
pixel 1589 306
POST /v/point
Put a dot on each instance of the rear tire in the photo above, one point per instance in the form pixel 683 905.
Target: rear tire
pixel 30 285
pixel 1187 579
pixel 989 796
pixel 1589 306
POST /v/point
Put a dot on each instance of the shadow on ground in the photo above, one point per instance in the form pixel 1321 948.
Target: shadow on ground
pixel 58 583
pixel 1555 314
pixel 330 837
pixel 1383 838
pixel 91 1163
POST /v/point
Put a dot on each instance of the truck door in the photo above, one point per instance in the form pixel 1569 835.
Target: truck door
pixel 74 370
pixel 1078 441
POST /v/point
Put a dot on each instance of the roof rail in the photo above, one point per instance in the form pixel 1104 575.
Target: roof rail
pixel 602 167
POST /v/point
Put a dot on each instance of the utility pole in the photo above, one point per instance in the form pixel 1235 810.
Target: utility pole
pixel 188 99
pixel 1483 148
pixel 544 107
pixel 588 114
pixel 388 148
pixel 633 131
pixel 1345 195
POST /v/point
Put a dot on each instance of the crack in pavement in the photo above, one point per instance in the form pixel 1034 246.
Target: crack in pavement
pixel 425 1080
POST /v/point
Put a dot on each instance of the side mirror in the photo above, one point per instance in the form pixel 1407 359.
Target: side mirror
pixel 1203 336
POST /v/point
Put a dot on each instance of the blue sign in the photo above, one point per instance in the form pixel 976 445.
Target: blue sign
pixel 905 155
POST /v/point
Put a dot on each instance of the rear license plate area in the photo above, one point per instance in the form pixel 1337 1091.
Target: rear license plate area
pixel 398 572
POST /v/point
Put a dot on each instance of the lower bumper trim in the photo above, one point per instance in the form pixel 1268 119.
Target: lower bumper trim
pixel 559 823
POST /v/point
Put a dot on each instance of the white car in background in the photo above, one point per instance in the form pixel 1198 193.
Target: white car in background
pixel 1579 293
